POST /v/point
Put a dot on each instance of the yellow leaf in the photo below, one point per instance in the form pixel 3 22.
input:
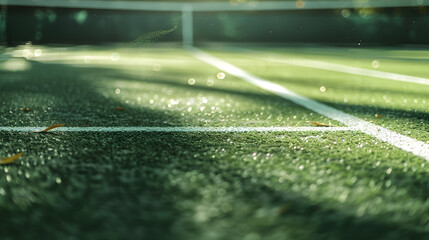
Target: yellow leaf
pixel 51 127
pixel 10 159
pixel 379 116
pixel 26 109
pixel 320 124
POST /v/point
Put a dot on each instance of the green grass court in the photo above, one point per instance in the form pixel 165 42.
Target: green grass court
pixel 255 185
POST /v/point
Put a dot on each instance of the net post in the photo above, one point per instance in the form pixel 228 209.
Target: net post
pixel 187 26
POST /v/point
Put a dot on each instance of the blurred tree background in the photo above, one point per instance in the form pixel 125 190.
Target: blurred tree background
pixel 407 25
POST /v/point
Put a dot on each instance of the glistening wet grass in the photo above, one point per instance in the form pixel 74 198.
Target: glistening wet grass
pixel 211 186
pixel 283 185
pixel 151 87
pixel 405 106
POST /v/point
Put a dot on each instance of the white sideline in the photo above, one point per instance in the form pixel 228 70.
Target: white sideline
pixel 351 70
pixel 180 129
pixel 309 63
pixel 414 146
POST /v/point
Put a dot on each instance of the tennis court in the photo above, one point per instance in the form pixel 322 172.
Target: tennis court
pixel 214 141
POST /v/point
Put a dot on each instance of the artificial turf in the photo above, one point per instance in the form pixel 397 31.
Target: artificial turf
pixel 405 106
pixel 211 186
pixel 159 87
pixel 285 185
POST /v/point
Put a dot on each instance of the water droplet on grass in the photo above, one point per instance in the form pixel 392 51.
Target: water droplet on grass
pixel 389 171
pixel 38 52
pixel 220 75
pixel 191 81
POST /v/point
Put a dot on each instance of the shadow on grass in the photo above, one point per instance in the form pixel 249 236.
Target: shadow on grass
pixel 147 185
pixel 63 94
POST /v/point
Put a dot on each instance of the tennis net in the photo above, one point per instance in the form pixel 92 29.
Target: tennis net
pixel 328 21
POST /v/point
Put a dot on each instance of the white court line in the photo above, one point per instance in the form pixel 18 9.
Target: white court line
pixel 414 146
pixel 180 129
pixel 351 70
pixel 344 69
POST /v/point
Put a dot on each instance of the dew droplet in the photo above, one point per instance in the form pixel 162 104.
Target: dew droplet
pixel 220 75
pixel 389 170
pixel 191 81
pixel 38 52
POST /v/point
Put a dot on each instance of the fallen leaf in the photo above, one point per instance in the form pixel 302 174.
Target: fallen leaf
pixel 26 109
pixel 120 108
pixel 379 116
pixel 51 127
pixel 320 124
pixel 11 159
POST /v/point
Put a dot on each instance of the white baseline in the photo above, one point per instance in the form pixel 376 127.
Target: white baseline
pixel 180 129
pixel 411 145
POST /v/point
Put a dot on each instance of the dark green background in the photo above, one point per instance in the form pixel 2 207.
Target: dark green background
pixel 380 26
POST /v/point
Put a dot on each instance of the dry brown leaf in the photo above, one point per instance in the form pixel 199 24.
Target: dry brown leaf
pixel 51 127
pixel 120 108
pixel 11 159
pixel 379 116
pixel 320 124
pixel 26 109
